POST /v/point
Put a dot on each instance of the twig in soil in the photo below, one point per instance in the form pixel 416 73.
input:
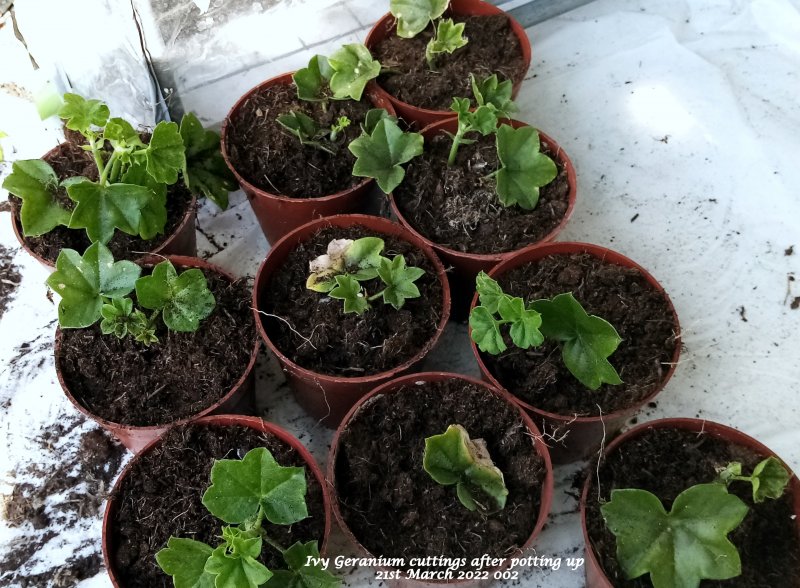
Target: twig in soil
pixel 288 324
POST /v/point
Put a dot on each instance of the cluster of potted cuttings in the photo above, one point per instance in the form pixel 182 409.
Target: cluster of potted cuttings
pixel 158 346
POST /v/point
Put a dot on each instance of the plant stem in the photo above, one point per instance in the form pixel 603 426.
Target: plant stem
pixel 376 296
pixel 91 138
pixel 272 543
pixel 107 168
pixel 491 175
pixel 115 170
pixel 451 159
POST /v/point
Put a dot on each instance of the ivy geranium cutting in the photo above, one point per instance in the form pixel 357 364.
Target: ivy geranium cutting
pixel 586 340
pixel 130 194
pixel 245 494
pixel 689 543
pixel 414 16
pixel 453 459
pixel 347 263
pixel 94 287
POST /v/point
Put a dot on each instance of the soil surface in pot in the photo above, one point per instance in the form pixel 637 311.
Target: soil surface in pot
pixel 391 504
pixel 123 381
pixel 455 207
pixel 492 48
pixel 622 296
pixel 71 161
pixel 272 159
pixel 668 461
pixel 161 497
pixel 325 339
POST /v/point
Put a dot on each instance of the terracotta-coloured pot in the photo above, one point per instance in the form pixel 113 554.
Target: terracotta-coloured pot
pixel 392 387
pixel 595 576
pixel 328 398
pixel 421 116
pixel 183 241
pixel 468 265
pixel 278 214
pixel 582 436
pixel 238 400
pixel 214 421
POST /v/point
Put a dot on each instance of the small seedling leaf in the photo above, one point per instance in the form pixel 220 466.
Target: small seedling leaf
pixel 486 331
pixel 449 37
pixel 490 91
pixel 353 67
pixel 489 292
pixel 381 153
pixel 311 79
pixel 413 16
pixel 373 117
pixel 348 289
pixel 300 575
pixel 165 153
pixel 399 281
pixel 524 169
pixel 300 125
pixel 185 561
pixel 241 487
pixel 525 322
pixel 184 300
pixel 80 114
pixel 769 479
pixel 121 134
pixel 35 182
pixel 235 565
pixel 84 283
pixel 679 548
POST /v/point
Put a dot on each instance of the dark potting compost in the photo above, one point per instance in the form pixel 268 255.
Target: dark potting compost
pixel 10 278
pixel 492 48
pixel 325 339
pixel 392 505
pixel 161 497
pixel 622 296
pixel 123 381
pixel 668 461
pixel 70 161
pixel 456 207
pixel 269 157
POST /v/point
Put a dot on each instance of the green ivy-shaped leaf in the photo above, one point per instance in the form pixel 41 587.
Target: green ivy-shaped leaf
pixel 485 331
pixel 348 289
pixel 116 317
pixel 489 292
pixel 35 182
pixel 413 16
pixel 235 564
pixel 311 79
pixel 80 114
pixel 352 67
pixel 680 548
pixel 239 488
pixel 380 154
pixel 84 282
pixel 300 575
pixel 154 214
pixel 184 300
pixel 300 125
pixel 586 340
pixel 101 209
pixel 769 479
pixel 185 561
pixel 399 281
pixel 205 170
pixel 452 458
pixel 525 322
pixel 373 117
pixel 449 37
pixel 123 138
pixel 490 91
pixel 524 169
pixel 165 154
pixel 363 258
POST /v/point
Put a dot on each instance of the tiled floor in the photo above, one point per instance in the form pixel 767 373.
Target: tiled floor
pixel 682 121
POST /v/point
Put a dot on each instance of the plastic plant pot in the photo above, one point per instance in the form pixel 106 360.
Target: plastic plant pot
pixel 238 400
pixel 595 576
pixel 328 398
pixel 421 116
pixel 582 436
pixel 249 422
pixel 392 387
pixel 278 214
pixel 182 241
pixel 466 266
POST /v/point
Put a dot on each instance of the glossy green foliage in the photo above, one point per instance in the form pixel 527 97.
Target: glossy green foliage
pixel 449 37
pixel 352 67
pixel 381 153
pixel 413 16
pixel 182 299
pixel 523 167
pixel 205 170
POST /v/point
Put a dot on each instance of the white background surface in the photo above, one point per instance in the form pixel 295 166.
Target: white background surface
pixel 682 114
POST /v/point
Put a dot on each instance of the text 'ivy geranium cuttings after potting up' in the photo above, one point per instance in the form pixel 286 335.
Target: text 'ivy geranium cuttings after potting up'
pixel 586 340
pixel 523 167
pixel 130 193
pixel 245 494
pixel 453 459
pixel 414 16
pixel 94 287
pixel 689 543
pixel 347 263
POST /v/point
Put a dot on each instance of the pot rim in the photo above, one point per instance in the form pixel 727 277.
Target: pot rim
pixel 251 422
pixel 599 252
pixel 572 181
pixel 346 220
pixel 182 261
pixel 547 487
